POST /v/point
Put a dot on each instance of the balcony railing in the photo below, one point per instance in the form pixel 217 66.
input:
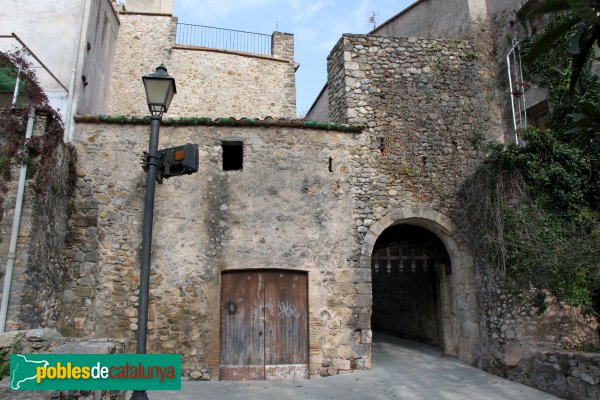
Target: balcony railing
pixel 225 39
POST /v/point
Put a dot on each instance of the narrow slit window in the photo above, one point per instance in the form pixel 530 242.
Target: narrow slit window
pixel 233 156
pixel 330 164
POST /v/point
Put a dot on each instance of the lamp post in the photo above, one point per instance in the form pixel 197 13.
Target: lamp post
pixel 160 88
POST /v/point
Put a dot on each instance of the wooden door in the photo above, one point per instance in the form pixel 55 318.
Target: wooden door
pixel 264 329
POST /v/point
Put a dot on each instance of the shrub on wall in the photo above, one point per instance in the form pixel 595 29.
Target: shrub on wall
pixel 38 152
pixel 535 210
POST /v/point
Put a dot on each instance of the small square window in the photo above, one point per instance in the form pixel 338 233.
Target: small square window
pixel 233 156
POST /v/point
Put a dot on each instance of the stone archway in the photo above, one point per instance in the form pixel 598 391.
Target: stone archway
pixel 458 313
pixel 407 266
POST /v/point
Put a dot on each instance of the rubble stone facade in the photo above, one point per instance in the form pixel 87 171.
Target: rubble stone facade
pixel 40 262
pixel 311 197
pixel 284 210
pixel 309 200
pixel 210 82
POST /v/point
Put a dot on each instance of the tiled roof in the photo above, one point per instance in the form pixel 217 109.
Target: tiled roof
pixel 229 121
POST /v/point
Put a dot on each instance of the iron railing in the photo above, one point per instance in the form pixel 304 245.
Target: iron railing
pixel 221 38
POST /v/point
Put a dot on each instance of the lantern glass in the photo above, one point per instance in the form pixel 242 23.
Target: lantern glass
pixel 160 88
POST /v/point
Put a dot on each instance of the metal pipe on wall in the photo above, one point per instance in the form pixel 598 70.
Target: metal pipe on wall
pixel 16 90
pixel 12 248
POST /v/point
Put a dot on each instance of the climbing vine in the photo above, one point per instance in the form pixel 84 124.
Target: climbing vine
pixel 38 152
pixel 535 210
pixel 552 70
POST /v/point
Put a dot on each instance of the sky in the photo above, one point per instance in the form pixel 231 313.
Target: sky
pixel 316 24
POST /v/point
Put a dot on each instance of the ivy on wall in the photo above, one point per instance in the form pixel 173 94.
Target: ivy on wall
pixel 535 210
pixel 38 152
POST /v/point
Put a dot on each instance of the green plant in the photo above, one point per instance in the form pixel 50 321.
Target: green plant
pixel 477 139
pixel 38 152
pixel 4 368
pixel 408 171
pixel 586 126
pixel 539 301
pixel 581 25
pixel 453 44
pixel 552 69
pixel 438 63
pixel 71 209
pixel 589 348
pixel 471 55
pixel 5 360
pixel 534 211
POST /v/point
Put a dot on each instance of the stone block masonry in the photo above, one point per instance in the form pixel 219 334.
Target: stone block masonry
pixel 284 210
pixel 424 108
pixel 313 201
pixel 571 375
pixel 210 82
pixel 38 276
pixel 422 121
pixel 50 341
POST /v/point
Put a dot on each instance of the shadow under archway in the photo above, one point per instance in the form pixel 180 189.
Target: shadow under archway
pixel 408 264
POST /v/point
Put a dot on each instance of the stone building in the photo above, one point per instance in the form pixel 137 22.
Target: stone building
pixel 296 239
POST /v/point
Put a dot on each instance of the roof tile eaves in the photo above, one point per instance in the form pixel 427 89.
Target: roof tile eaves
pixel 223 121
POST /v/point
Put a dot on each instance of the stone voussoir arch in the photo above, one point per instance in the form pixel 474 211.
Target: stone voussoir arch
pixel 425 217
pixel 459 314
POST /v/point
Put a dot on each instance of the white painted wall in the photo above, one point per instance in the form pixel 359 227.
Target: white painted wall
pixel 49 30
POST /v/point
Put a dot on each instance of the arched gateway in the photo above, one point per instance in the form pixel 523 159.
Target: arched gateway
pixel 423 281
pixel 407 266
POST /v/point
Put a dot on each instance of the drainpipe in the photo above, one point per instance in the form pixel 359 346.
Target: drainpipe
pixel 16 91
pixel 70 99
pixel 12 248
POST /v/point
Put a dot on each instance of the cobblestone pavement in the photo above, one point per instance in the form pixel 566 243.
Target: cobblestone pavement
pixel 401 370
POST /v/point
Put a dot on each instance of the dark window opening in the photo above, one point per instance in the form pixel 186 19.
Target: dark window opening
pixel 330 164
pixel 233 156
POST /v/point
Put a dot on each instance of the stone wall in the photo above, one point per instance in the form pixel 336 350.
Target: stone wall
pixel 571 375
pixel 37 283
pixel 147 39
pixel 210 82
pixel 81 253
pixel 424 125
pixel 525 334
pixel 49 341
pixel 284 210
pixel 225 84
pixel 424 122
pixel 486 25
pixel 517 324
pixel 306 199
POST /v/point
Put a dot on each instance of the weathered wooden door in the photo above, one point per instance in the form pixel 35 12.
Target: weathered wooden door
pixel 264 329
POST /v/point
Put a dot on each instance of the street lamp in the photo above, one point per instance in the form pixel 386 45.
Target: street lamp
pixel 160 88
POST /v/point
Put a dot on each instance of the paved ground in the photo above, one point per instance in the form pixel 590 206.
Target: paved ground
pixel 401 370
